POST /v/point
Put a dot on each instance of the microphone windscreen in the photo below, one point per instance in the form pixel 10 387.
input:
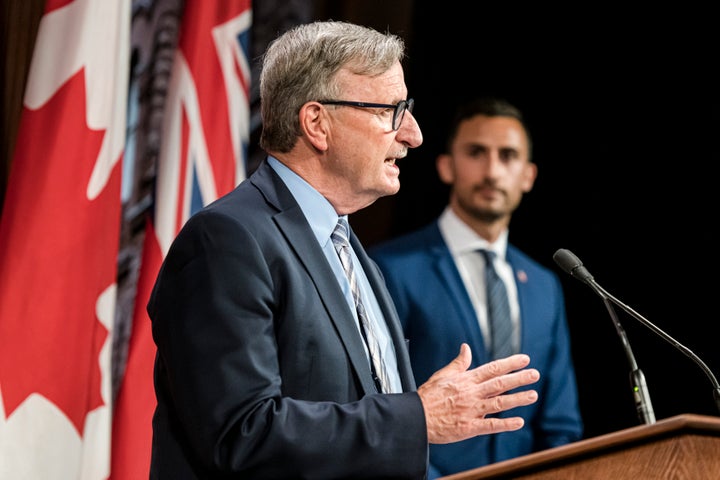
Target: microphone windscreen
pixel 566 260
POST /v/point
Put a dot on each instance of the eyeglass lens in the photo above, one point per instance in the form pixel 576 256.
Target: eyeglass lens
pixel 400 110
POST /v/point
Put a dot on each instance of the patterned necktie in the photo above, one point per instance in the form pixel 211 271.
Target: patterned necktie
pixel 498 308
pixel 377 366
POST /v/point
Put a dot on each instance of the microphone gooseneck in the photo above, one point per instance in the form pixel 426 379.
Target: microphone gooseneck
pixel 640 392
pixel 572 265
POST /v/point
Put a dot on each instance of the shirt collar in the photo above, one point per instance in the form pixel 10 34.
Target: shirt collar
pixel 319 213
pixel 462 239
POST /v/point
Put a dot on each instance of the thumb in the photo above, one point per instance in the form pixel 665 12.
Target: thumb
pixel 464 359
pixel 458 365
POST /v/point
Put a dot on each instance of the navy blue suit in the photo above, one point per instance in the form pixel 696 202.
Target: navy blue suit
pixel 260 370
pixel 437 315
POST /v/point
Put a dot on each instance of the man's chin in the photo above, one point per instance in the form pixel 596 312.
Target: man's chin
pixel 391 187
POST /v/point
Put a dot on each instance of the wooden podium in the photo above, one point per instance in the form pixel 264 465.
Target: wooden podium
pixel 681 447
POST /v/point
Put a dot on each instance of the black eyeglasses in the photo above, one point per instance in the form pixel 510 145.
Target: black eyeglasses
pixel 398 110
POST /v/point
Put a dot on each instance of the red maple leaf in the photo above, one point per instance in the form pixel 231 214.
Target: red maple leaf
pixel 58 254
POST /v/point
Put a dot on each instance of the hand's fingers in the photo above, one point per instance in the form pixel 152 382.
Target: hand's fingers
pixel 501 403
pixel 482 424
pixel 457 401
pixel 505 383
pixel 461 422
pixel 486 426
pixel 501 366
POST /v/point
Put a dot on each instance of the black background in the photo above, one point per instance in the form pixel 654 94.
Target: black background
pixel 622 107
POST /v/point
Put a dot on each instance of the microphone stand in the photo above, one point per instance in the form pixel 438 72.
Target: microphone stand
pixel 573 266
pixel 689 353
pixel 640 392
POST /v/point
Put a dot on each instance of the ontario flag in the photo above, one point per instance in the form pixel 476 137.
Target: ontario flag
pixel 204 143
pixel 59 246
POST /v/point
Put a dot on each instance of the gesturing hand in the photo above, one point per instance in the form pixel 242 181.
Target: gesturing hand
pixel 456 400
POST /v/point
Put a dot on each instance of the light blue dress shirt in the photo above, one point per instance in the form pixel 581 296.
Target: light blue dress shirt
pixel 322 218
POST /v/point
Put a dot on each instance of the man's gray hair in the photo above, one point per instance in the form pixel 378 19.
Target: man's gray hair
pixel 300 66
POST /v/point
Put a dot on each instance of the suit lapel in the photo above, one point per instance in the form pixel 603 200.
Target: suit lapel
pixel 521 283
pixel 294 227
pixel 445 268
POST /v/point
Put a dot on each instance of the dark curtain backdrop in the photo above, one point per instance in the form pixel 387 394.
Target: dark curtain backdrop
pixel 623 107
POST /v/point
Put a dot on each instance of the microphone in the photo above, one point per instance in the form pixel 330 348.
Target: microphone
pixel 572 265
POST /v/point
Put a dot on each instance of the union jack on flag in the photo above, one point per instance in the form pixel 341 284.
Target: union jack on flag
pixel 203 156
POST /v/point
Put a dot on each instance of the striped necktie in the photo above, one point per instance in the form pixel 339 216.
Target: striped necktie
pixel 498 307
pixel 377 366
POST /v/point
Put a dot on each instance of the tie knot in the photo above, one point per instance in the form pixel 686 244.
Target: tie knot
pixel 340 234
pixel 488 254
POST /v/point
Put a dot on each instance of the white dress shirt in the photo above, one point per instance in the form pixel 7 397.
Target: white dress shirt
pixel 463 244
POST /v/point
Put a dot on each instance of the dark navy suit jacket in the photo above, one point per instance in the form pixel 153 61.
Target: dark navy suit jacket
pixel 437 315
pixel 260 370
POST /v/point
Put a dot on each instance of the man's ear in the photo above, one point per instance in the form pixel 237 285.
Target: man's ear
pixel 529 176
pixel 443 163
pixel 314 126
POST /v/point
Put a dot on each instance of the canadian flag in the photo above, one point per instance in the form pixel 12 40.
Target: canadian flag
pixel 204 144
pixel 59 244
